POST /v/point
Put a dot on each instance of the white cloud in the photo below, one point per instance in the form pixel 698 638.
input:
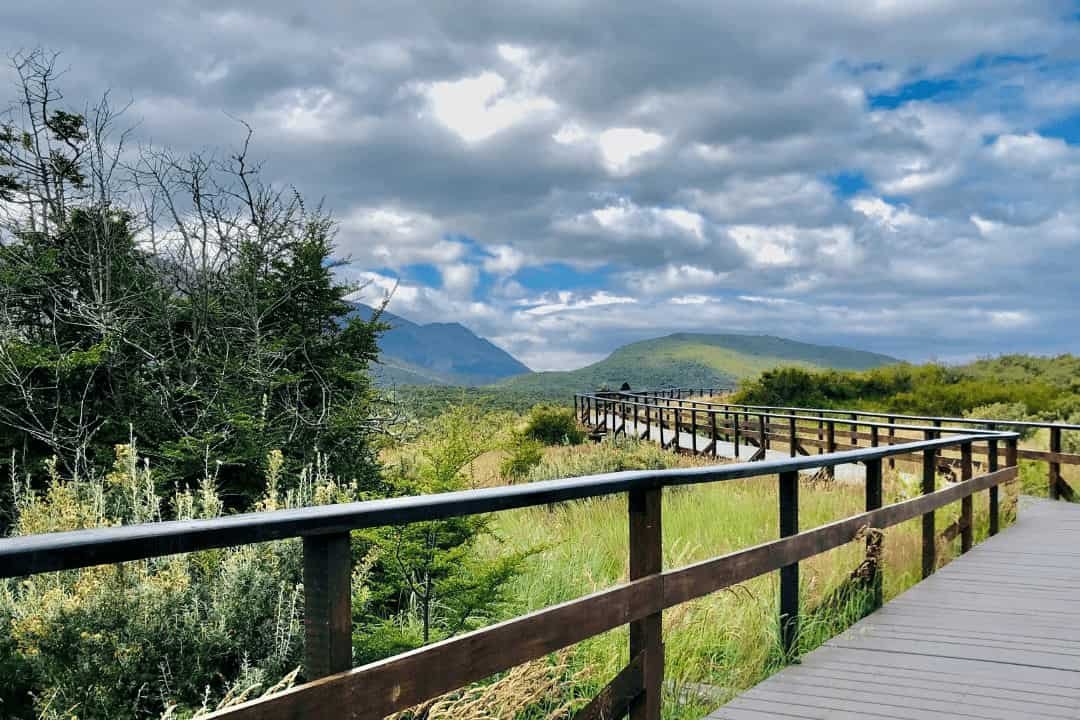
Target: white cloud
pixel 766 245
pixel 678 161
pixel 393 236
pixel 619 147
pixel 889 217
pixel 504 260
pixel 479 106
pixel 774 301
pixel 691 299
pixel 566 301
pixel 459 279
pixel 1029 149
pixel 674 278
pixel 623 218
pixel 1010 318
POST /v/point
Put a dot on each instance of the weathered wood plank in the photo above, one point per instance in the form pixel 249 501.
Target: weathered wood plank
pixel 388 686
pixel 991 635
pixel 613 702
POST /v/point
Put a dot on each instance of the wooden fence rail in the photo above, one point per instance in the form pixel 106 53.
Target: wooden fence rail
pixel 334 689
pixel 817 428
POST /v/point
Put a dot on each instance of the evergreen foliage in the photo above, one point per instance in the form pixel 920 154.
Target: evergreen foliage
pixel 178 296
pixel 1013 387
pixel 553 425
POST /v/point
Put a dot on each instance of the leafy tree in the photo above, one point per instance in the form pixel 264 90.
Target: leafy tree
pixel 525 454
pixel 553 425
pixel 179 298
pixel 430 571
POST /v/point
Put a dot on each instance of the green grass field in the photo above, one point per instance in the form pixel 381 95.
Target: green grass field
pixel 728 641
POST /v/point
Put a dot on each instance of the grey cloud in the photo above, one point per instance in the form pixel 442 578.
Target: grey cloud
pixel 755 101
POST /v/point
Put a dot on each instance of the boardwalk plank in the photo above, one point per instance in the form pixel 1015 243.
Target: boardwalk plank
pixel 995 635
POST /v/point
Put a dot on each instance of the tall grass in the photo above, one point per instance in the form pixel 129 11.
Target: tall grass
pixel 721 644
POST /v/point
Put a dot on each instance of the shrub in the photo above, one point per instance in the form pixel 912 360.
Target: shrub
pixel 553 425
pixel 174 635
pixel 1004 411
pixel 612 455
pixel 427 582
pixel 525 454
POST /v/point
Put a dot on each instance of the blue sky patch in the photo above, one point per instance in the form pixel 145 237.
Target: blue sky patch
pixel 1067 128
pixel 848 182
pixel 932 89
pixel 423 273
pixel 560 276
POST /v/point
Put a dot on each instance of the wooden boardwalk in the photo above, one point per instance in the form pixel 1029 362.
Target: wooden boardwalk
pixel 995 635
pixel 849 472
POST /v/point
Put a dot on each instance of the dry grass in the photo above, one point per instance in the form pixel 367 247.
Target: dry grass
pixel 727 641
pixel 528 688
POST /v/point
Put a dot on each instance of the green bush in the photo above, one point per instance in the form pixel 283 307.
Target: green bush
pixel 932 389
pixel 1004 411
pixel 553 425
pixel 525 454
pixel 174 635
pixel 612 455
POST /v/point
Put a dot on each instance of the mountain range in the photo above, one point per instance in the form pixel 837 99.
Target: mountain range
pixel 695 360
pixel 451 354
pixel 437 354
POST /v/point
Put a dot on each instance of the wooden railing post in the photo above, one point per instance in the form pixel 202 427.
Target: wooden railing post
pixel 327 605
pixel 735 432
pixel 992 465
pixel 693 428
pixel 1055 467
pixel 712 432
pixel 646 635
pixel 892 435
pixel 648 423
pixel 764 436
pixel 830 444
pixel 821 434
pixel 789 574
pixel 929 482
pixel 874 500
pixel 794 436
pixel 675 440
pixel 854 430
pixel 967 517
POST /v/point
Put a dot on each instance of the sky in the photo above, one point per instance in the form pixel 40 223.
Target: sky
pixel 565 177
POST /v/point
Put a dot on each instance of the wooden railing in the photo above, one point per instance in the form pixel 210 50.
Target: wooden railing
pixel 334 689
pixel 825 430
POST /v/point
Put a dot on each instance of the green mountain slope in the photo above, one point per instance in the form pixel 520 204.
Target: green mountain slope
pixel 437 354
pixel 694 360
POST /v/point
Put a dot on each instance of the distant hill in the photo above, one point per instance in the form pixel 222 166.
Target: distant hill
pixel 694 360
pixel 438 354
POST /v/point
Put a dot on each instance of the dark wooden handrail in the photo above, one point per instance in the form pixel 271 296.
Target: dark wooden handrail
pixel 829 418
pixel 391 685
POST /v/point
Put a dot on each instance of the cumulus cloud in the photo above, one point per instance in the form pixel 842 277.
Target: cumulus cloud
pixel 868 173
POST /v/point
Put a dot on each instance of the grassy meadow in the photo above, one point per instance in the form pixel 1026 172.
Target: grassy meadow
pixel 718 645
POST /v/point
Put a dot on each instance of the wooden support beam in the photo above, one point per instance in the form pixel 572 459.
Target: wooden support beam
pixel 789 574
pixel 646 635
pixel 994 510
pixel 967 518
pixel 874 499
pixel 327 605
pixel 929 537
pixel 615 699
